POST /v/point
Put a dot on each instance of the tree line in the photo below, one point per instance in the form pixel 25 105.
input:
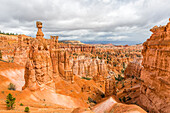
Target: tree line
pixel 8 33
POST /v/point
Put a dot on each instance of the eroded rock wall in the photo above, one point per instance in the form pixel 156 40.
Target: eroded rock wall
pixel 133 69
pixel 155 90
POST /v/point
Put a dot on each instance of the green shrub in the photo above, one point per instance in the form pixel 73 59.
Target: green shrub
pixel 119 78
pixel 129 98
pixel 91 100
pixel 131 82
pixel 138 55
pixel 122 70
pixel 126 55
pixel 86 78
pixel 124 65
pixel 102 95
pixel 21 104
pixel 133 76
pixel 124 99
pixel 10 101
pixel 123 85
pixel 120 99
pixel 26 109
pixel 11 87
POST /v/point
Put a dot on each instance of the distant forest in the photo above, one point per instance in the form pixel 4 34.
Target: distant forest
pixel 8 33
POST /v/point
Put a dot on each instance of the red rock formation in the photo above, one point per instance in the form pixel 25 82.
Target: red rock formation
pixel 110 87
pixel 133 69
pixel 39 34
pixel 38 69
pixel 21 52
pixel 68 74
pixel 111 105
pixel 155 90
pixel 61 62
pixel 54 53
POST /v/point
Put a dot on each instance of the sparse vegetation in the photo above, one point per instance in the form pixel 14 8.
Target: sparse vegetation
pixel 123 85
pixel 120 99
pixel 10 101
pixel 8 33
pixel 86 78
pixel 124 65
pixel 133 76
pixel 100 58
pixel 27 109
pixel 119 78
pixel 102 95
pixel 91 100
pixel 116 83
pixel 129 98
pixel 21 104
pixel 122 70
pixel 11 87
pixel 138 55
pixel 124 99
pixel 0 54
pixel 126 55
pixel 75 54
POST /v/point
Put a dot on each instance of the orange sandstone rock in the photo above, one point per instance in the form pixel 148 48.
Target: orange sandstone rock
pixel 155 90
pixel 39 69
pixel 133 69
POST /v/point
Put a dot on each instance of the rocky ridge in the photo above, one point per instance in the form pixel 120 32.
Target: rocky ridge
pixel 155 89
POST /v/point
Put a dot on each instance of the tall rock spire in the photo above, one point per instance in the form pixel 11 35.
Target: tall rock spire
pixel 39 34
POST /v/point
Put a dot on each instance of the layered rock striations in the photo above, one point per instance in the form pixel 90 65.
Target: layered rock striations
pixel 21 52
pixel 39 69
pixel 133 69
pixel 155 90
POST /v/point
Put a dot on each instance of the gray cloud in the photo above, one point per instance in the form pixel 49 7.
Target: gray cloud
pixel 108 20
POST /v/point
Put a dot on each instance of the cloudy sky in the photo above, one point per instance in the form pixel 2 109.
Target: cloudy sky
pixel 85 20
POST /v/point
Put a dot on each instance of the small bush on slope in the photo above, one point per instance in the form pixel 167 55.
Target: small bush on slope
pixel 10 101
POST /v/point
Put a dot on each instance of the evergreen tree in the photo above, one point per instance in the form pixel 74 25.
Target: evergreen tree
pixel 10 101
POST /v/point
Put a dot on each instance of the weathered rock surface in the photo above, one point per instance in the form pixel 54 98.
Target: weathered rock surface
pixel 14 73
pixel 21 52
pixel 155 90
pixel 133 69
pixel 111 105
pixel 39 69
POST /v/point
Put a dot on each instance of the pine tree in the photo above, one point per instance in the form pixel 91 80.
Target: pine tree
pixel 10 101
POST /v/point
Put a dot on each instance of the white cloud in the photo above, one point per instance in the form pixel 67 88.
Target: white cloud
pixel 117 38
pixel 85 19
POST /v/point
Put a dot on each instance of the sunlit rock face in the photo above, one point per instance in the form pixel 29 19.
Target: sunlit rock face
pixel 133 69
pixel 39 69
pixel 155 90
pixel 21 52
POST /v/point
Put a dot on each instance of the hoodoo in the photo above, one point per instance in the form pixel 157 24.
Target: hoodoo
pixel 39 69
